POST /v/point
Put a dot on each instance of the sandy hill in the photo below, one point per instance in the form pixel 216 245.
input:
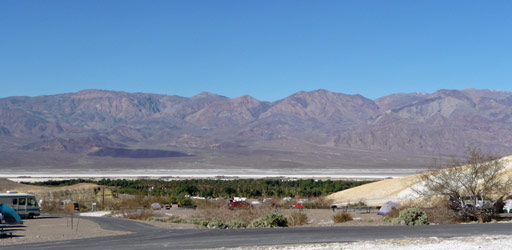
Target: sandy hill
pixel 397 190
pixel 83 192
pixel 6 185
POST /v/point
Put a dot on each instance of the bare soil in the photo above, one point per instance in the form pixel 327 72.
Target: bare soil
pixel 49 228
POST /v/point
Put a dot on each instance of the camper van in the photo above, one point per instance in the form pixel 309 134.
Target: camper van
pixel 24 204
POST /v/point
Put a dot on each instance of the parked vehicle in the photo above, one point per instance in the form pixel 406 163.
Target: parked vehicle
pixel 70 205
pixel 298 206
pixel 239 205
pixel 468 203
pixel 24 204
pixel 508 206
pixel 256 202
pixel 466 206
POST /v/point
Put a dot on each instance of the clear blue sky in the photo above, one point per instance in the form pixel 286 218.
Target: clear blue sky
pixel 267 49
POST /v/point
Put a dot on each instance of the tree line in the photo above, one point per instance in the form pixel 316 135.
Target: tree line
pixel 251 188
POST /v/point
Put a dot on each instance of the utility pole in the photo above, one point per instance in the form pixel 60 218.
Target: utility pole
pixel 103 199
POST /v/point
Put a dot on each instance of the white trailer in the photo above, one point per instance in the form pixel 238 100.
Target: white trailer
pixel 24 204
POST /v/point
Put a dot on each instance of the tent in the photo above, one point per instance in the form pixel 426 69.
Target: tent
pixel 9 215
pixel 387 207
pixel 156 206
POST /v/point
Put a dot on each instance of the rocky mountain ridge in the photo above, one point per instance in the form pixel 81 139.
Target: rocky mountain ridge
pixel 441 123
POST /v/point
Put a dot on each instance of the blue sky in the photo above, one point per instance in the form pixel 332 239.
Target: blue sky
pixel 267 49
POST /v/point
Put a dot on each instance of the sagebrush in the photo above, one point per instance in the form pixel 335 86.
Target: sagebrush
pixel 298 218
pixel 341 217
pixel 411 216
pixel 270 220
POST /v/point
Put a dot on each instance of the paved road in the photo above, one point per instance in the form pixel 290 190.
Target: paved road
pixel 148 237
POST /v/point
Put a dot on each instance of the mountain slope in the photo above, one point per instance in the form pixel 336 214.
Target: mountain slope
pixel 442 123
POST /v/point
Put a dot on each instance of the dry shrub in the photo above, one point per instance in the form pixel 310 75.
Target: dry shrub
pixel 224 214
pixel 138 214
pixel 297 218
pixel 211 204
pixel 341 217
pixel 51 207
pixel 319 203
pixel 174 219
pixel 360 203
pixel 438 210
pixel 394 213
pixel 137 201
pixel 440 213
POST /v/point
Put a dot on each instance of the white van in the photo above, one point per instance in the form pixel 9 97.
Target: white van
pixel 24 204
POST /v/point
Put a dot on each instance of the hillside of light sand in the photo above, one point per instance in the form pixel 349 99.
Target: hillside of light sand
pixel 396 190
pixel 83 192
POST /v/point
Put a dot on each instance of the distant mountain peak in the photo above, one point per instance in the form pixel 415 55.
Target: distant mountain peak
pixel 94 93
pixel 444 121
pixel 207 94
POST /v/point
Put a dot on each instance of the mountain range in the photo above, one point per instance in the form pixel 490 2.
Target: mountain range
pixel 110 129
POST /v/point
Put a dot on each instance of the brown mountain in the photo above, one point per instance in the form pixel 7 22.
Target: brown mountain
pixel 308 129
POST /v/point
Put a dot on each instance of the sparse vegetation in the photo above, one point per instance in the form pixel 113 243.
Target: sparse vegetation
pixel 318 203
pixel 411 216
pixel 138 214
pixel 298 218
pixel 236 224
pixel 392 215
pixel 51 207
pixel 175 219
pixel 216 223
pixel 440 213
pixel 467 184
pixel 341 217
pixel 270 220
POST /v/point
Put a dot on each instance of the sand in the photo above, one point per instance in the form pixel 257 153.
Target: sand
pixel 397 190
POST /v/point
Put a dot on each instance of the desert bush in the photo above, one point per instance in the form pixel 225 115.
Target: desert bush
pixel 319 203
pixel 392 215
pixel 139 214
pixel 224 214
pixel 341 217
pixel 175 219
pixel 270 220
pixel 216 223
pixel 237 223
pixel 411 216
pixel 360 203
pixel 135 201
pixel 258 223
pixel 160 219
pixel 197 221
pixel 51 207
pixel 298 218
pixel 211 204
pixel 440 213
